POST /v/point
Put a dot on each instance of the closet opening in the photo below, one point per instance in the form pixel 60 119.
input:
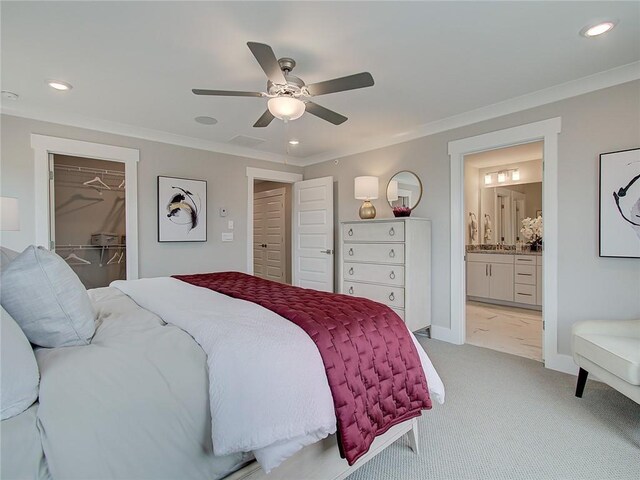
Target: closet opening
pixel 87 217
pixel 503 258
pixel 272 258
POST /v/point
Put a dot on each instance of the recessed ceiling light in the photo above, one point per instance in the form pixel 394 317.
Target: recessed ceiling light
pixel 206 120
pixel 59 85
pixel 294 142
pixel 10 95
pixel 598 29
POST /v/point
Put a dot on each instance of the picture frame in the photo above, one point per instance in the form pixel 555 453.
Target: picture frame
pixel 182 209
pixel 619 198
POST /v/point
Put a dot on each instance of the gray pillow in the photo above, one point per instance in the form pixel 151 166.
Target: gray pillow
pixel 20 376
pixel 6 257
pixel 47 299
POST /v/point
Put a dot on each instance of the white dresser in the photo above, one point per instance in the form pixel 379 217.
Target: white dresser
pixel 389 261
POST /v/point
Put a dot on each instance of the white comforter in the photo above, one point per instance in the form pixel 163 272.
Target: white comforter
pixel 267 385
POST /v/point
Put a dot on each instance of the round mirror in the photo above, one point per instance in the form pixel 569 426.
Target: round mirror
pixel 404 190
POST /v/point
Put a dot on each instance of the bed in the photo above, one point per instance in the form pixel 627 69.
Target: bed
pixel 136 402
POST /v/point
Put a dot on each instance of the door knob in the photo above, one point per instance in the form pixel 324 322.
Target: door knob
pixel 351 290
pixel 392 275
pixel 350 232
pixel 351 252
pixel 392 297
pixel 328 252
pixel 392 253
pixel 351 271
pixel 392 232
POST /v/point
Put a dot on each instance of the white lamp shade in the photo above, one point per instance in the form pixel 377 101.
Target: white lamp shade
pixel 392 191
pixel 286 108
pixel 9 218
pixel 366 188
pixel 515 176
pixel 502 177
pixel 488 179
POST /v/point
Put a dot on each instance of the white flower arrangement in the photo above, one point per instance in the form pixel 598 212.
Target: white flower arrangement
pixel 532 230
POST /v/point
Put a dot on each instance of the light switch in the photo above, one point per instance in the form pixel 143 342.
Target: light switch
pixel 227 237
pixel 230 225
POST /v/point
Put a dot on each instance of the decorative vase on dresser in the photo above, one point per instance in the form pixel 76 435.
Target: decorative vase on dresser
pixel 389 261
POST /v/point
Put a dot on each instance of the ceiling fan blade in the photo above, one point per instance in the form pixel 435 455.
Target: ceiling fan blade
pixel 359 80
pixel 268 61
pixel 264 120
pixel 324 113
pixel 226 93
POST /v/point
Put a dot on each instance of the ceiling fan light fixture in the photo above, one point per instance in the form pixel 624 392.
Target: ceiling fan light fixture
pixel 59 85
pixel 286 108
pixel 294 142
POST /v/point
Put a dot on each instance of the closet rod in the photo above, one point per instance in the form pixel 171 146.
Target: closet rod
pixel 74 168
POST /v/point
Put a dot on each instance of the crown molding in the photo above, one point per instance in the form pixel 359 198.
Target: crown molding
pixel 598 81
pixel 132 131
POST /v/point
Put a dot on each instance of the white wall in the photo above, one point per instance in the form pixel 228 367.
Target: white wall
pixel 226 186
pixel 589 286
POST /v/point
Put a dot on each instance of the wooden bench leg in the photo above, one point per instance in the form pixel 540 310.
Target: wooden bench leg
pixel 413 438
pixel 582 380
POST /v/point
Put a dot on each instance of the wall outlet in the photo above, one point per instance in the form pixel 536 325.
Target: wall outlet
pixel 223 212
pixel 230 225
pixel 227 237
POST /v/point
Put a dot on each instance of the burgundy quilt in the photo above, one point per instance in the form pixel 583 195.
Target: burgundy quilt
pixel 372 365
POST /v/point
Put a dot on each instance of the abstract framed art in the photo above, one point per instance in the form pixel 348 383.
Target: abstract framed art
pixel 620 204
pixel 182 210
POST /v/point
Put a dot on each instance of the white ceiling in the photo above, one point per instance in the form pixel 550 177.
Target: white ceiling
pixel 133 64
pixel 505 156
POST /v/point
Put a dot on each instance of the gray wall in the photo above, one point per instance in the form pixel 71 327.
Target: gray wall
pixel 589 287
pixel 226 187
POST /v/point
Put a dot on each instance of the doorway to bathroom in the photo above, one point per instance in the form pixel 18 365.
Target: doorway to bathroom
pixel 503 249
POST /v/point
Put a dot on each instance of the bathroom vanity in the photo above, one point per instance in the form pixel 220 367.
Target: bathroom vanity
pixel 505 277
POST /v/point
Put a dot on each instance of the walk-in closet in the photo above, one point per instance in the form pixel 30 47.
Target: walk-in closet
pixel 88 221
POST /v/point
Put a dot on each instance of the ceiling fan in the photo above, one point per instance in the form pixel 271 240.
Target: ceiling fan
pixel 288 95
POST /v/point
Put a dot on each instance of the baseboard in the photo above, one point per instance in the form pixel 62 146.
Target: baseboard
pixel 561 363
pixel 445 334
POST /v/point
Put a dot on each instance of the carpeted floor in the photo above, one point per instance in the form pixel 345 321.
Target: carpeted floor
pixel 507 417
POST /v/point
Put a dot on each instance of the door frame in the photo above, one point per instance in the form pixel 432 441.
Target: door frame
pixel 546 130
pixel 44 145
pixel 272 176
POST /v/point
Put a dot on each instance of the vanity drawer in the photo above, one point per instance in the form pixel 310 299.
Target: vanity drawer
pixel 525 274
pixel 373 232
pixel 392 296
pixel 373 253
pixel 525 294
pixel 490 258
pixel 369 272
pixel 525 259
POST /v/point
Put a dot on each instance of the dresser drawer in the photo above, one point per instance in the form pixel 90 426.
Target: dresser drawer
pixel 392 296
pixel 369 272
pixel 525 294
pixel 373 253
pixel 373 232
pixel 525 274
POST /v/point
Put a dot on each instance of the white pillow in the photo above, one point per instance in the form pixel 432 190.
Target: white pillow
pixel 47 299
pixel 19 377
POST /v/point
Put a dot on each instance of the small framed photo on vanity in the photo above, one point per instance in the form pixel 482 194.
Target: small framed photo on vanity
pixel 182 210
pixel 620 204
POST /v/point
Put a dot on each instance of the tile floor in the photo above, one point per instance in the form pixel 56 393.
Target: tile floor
pixel 511 330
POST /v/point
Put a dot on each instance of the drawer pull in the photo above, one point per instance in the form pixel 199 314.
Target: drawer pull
pixel 526 274
pixel 392 297
pixel 392 275
pixel 392 253
pixel 351 252
pixel 392 232
pixel 351 271
pixel 525 294
pixel 350 232
pixel 351 290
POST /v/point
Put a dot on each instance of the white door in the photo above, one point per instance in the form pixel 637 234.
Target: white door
pixel 313 234
pixel 268 235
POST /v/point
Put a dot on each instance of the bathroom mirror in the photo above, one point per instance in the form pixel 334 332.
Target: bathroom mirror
pixel 404 190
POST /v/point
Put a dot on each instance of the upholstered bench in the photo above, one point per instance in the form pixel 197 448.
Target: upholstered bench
pixel 611 351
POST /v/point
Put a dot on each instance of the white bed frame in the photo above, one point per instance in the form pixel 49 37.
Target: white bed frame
pixel 321 460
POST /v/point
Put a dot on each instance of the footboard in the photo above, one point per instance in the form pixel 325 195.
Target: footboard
pixel 321 461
